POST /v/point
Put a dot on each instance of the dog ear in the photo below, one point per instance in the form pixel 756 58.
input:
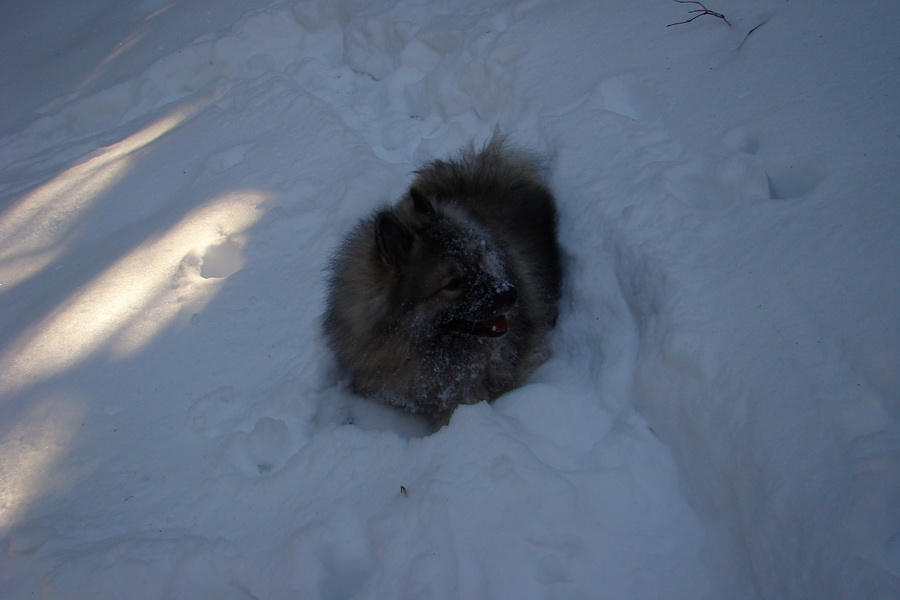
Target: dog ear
pixel 421 203
pixel 394 241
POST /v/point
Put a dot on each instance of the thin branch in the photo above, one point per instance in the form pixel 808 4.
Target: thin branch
pixel 754 29
pixel 702 11
pixel 744 41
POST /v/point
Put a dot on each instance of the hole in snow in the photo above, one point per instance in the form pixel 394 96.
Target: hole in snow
pixel 790 183
pixel 222 260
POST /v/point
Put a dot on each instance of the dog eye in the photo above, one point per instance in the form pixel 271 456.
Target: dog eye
pixel 454 285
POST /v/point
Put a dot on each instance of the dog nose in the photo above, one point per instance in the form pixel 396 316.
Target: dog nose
pixel 507 299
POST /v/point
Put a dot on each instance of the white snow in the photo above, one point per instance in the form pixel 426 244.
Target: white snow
pixel 719 418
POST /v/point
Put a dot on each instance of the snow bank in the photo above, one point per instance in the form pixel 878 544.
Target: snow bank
pixel 718 419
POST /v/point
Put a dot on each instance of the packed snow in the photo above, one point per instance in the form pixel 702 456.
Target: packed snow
pixel 719 418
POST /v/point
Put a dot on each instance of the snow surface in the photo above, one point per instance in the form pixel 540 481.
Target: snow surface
pixel 720 415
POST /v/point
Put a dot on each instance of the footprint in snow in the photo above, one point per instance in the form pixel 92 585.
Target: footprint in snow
pixel 792 182
pixel 708 183
pixel 264 450
pixel 224 160
pixel 214 413
pixel 711 184
pixel 622 96
pixel 336 553
pixel 372 46
pixel 740 139
pixel 222 260
pixel 782 183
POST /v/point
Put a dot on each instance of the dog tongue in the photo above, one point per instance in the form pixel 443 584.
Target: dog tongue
pixel 497 325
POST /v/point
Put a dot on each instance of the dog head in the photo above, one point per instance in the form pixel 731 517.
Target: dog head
pixel 449 278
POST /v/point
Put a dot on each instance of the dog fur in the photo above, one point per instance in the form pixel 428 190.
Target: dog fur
pixel 447 297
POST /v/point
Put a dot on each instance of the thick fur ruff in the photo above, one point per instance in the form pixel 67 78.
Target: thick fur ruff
pixel 446 298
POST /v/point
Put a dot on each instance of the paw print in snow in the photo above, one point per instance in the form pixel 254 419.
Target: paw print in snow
pixel 214 413
pixel 264 450
pixel 782 183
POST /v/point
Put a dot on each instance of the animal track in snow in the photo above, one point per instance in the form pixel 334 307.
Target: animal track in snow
pixel 255 445
pixel 788 183
pixel 372 46
pixel 741 140
pixel 222 260
pixel 224 160
pixel 738 177
pixel 782 183
pixel 264 450
pixel 214 413
pixel 623 97
pixel 335 554
pixel 708 184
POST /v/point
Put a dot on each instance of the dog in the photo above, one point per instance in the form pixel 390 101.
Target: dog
pixel 448 296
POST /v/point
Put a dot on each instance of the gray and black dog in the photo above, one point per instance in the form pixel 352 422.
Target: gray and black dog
pixel 447 297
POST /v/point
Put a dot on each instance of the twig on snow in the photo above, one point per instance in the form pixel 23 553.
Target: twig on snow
pixel 744 41
pixel 702 11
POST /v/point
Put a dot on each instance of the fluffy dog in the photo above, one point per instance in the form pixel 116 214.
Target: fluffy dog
pixel 447 297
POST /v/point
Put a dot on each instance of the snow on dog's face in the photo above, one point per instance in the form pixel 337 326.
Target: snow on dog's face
pixel 449 278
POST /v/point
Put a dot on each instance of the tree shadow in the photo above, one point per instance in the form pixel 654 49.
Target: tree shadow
pixel 81 49
pixel 100 269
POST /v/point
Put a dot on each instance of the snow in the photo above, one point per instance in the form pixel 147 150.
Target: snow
pixel 719 418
